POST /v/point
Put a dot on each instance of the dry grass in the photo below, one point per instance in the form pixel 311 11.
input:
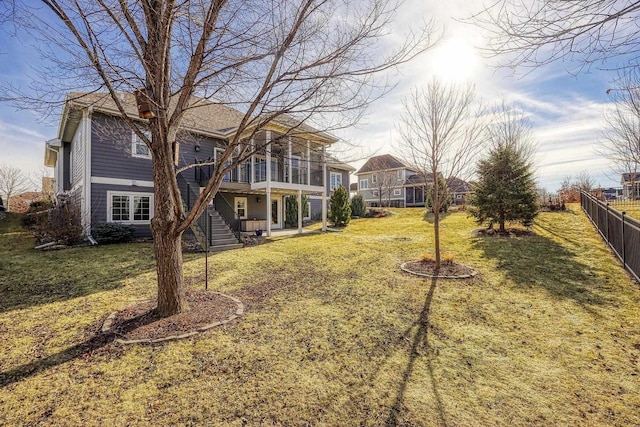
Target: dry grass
pixel 335 333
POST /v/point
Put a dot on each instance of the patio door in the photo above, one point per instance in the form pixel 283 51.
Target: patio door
pixel 276 213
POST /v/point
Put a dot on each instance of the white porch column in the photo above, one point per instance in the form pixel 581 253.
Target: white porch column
pixel 290 180
pixel 324 190
pixel 268 158
pixel 308 162
pixel 300 212
pixel 253 162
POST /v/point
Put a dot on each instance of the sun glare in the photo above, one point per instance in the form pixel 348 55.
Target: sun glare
pixel 455 60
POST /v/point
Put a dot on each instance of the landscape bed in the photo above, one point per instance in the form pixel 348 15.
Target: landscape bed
pixel 333 332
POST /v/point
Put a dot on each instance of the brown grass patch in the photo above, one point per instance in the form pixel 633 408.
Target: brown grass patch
pixel 448 268
pixel 141 322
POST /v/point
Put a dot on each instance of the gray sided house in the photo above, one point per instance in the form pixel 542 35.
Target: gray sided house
pixel 103 168
pixel 630 185
pixel 337 175
pixel 387 181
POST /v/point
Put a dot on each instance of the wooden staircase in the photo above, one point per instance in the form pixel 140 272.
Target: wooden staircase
pixel 222 238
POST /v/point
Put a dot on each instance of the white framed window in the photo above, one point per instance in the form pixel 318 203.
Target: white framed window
pixel 399 174
pixel 240 207
pixel 138 147
pixel 397 192
pixel 129 208
pixel 336 180
pixel 374 178
pixel 364 184
pixel 375 193
pixel 458 196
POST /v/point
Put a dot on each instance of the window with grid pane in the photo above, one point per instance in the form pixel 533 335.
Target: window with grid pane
pixel 120 208
pixel 141 208
pixel 129 207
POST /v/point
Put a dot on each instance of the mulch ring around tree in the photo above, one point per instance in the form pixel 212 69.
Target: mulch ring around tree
pixel 448 270
pixel 139 323
pixel 509 232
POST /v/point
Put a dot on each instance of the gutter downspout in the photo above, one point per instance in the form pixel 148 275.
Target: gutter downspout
pixel 87 171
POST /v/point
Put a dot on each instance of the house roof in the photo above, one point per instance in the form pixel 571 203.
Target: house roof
pixel 381 163
pixel 631 176
pixel 203 116
pixel 334 163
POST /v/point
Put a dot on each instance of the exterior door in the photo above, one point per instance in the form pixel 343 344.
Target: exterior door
pixel 240 207
pixel 276 213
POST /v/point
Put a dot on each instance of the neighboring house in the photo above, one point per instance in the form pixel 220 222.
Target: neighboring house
pixel 612 193
pixel 381 180
pixel 102 167
pixel 20 203
pixel 631 185
pixel 388 179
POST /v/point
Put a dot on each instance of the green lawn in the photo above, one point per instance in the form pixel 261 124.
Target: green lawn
pixel 334 333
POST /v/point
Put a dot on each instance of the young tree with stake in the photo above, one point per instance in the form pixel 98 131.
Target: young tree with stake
pixel 441 131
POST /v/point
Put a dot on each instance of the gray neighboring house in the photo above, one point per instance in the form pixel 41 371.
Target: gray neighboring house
pixel 405 186
pixel 378 169
pixel 103 168
pixel 630 185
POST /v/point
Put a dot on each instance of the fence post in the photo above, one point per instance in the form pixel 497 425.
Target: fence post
pixel 606 221
pixel 624 252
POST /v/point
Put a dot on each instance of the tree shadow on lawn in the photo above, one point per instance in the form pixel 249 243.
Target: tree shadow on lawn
pixel 30 278
pixel 83 349
pixel 539 261
pixel 420 340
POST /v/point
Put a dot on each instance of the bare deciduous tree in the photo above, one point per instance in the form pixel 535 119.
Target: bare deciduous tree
pixel 384 182
pixel 532 33
pixel 300 58
pixel 441 134
pixel 12 182
pixel 571 187
pixel 622 133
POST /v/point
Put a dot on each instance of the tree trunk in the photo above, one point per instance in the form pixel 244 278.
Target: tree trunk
pixel 436 218
pixel 502 228
pixel 168 251
pixel 167 240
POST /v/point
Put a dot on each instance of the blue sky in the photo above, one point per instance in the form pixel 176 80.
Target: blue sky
pixel 567 112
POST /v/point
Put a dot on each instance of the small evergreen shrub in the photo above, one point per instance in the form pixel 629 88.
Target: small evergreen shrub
pixel 113 232
pixel 339 207
pixel 357 206
pixel 443 195
pixel 291 210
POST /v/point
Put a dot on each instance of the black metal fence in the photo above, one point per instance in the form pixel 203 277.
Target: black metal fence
pixel 621 232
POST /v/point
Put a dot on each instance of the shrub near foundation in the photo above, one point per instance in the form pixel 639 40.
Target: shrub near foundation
pixel 113 232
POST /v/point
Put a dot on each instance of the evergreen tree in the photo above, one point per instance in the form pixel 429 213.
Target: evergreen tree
pixel 339 208
pixel 357 206
pixel 505 190
pixel 291 210
pixel 443 194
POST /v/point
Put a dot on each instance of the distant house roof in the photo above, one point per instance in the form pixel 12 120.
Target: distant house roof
pixel 631 176
pixel 334 163
pixel 381 163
